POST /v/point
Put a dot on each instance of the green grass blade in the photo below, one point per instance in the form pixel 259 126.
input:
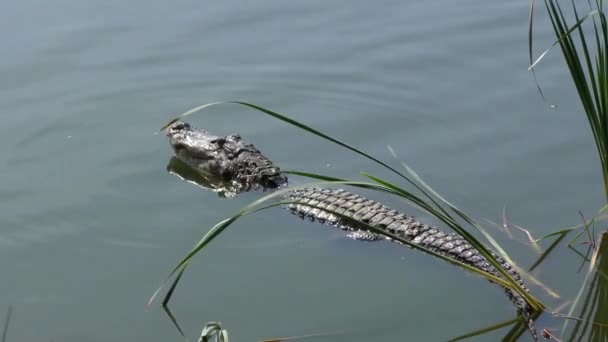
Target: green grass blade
pixel 251 208
pixel 470 238
pixel 546 253
pixel 588 69
pixel 563 36
pixel 486 330
pixel 534 303
pixel 412 198
pixel 167 298
pixel 254 207
pixel 422 187
pixel 7 322
pixel 218 228
pixel 594 311
pixel 530 31
pixel 303 127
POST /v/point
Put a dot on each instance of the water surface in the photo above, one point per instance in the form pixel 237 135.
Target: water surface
pixel 92 222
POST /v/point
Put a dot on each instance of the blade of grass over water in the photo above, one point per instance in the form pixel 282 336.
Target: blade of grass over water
pixel 598 261
pixel 168 296
pixel 7 321
pixel 433 197
pixel 594 311
pixel 305 128
pixel 455 225
pixel 460 230
pixel 487 330
pixel 429 201
pixel 549 249
pixel 218 228
pixel 254 207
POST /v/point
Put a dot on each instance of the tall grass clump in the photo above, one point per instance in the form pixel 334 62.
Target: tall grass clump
pixel 593 316
pixel 583 41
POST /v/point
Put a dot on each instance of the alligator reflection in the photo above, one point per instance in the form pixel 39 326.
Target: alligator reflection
pixel 183 171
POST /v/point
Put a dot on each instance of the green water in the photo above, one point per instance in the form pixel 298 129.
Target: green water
pixel 91 222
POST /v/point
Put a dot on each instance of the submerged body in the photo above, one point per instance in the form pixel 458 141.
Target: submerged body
pixel 233 159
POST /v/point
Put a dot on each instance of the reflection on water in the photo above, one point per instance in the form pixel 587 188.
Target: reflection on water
pixel 183 171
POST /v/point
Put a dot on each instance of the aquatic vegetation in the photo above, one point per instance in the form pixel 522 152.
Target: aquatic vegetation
pixel 592 320
pixel 587 61
pixel 583 40
pixel 7 321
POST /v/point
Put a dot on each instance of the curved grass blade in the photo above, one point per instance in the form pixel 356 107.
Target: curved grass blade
pixel 308 129
pixel 546 253
pixel 466 218
pixel 7 321
pixel 590 81
pixel 486 329
pixel 533 302
pixel 530 44
pixel 220 226
pixel 254 207
pixel 518 329
pixel 450 222
pixel 366 226
pixel 318 133
pixel 168 296
pixel 562 37
pixel 225 223
pixel 588 277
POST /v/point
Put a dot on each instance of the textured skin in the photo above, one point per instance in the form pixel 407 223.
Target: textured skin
pixel 230 158
pixel 377 215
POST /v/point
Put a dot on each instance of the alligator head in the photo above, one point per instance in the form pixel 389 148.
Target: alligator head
pixel 229 158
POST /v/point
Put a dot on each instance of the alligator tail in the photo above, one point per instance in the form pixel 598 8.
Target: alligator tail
pixel 310 203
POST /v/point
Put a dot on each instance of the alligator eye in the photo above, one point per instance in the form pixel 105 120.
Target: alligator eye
pixel 179 125
pixel 219 142
pixel 235 137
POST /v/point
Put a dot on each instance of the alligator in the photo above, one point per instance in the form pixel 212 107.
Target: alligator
pixel 232 160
